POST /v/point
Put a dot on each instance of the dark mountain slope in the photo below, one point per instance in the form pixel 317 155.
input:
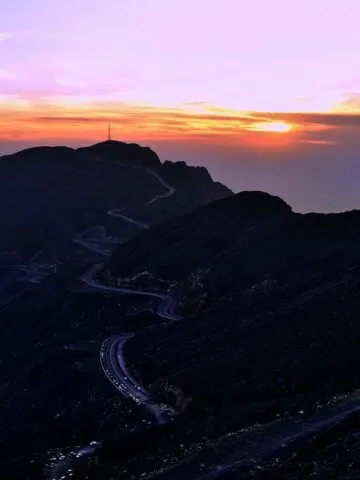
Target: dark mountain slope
pixel 191 185
pixel 65 191
pixel 176 173
pixel 251 234
pixel 176 248
pixel 271 303
pixel 59 190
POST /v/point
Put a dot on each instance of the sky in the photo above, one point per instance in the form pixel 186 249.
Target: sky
pixel 266 94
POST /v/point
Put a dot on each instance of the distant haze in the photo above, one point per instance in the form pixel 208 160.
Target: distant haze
pixel 265 94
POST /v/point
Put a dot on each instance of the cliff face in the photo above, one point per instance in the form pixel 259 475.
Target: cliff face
pixel 196 179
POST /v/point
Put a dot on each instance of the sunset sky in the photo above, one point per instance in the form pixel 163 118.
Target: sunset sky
pixel 266 94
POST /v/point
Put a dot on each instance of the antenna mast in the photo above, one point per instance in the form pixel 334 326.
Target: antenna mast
pixel 109 133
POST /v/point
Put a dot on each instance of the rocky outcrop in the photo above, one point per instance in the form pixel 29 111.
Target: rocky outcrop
pixel 197 180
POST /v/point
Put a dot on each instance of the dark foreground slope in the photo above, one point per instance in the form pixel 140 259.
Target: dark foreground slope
pixel 261 371
pixel 271 304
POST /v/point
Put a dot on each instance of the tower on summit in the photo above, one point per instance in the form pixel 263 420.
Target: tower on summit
pixel 109 132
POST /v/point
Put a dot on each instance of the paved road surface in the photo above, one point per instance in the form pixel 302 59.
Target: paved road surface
pixel 115 213
pixel 111 352
pixel 170 191
pixel 114 366
pixel 164 310
pixel 98 245
pixel 94 246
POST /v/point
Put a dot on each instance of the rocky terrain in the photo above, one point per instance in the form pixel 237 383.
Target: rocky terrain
pixel 271 303
pixel 239 316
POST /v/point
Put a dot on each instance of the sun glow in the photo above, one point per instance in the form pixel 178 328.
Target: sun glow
pixel 278 127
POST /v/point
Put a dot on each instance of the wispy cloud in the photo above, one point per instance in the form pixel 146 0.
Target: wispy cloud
pixel 5 36
pixel 351 104
pixel 70 82
pixel 319 142
pixel 9 75
pixel 321 119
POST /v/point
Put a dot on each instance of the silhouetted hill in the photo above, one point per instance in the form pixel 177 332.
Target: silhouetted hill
pixel 271 307
pixel 238 242
pixel 177 173
pixel 261 368
pixel 178 247
pixel 128 153
pixel 42 152
pixel 67 191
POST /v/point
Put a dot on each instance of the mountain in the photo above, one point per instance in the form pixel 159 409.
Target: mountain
pixel 213 342
pixel 63 210
pixel 201 238
pixel 64 192
pixel 270 328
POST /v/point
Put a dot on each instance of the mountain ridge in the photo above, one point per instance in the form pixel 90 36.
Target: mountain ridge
pixel 258 327
pixel 67 190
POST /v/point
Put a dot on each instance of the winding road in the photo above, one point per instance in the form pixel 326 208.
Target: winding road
pixel 114 366
pixel 93 245
pixel 170 191
pixel 115 213
pixel 166 309
pixel 111 353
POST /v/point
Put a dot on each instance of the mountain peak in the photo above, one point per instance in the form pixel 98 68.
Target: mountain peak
pixel 127 153
pixel 250 207
pixel 257 201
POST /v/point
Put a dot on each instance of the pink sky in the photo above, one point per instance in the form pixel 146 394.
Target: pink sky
pixel 242 55
pixel 165 71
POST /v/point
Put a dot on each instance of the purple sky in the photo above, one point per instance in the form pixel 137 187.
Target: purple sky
pixel 193 79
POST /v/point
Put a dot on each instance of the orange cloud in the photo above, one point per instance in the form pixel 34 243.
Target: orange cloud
pixel 59 119
pixel 319 142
